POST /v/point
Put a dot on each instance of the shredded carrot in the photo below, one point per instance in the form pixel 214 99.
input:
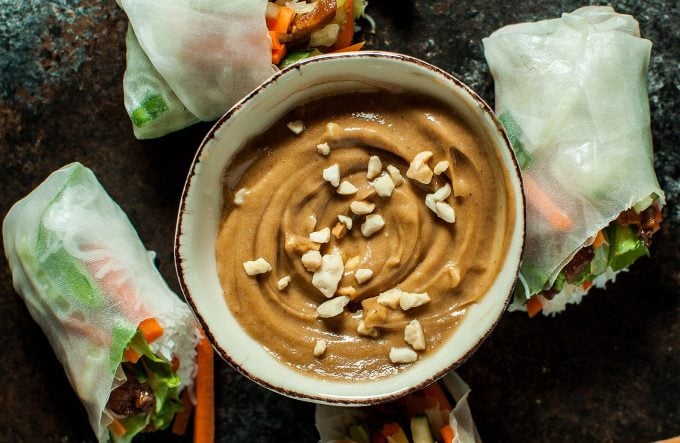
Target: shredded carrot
pixel 599 239
pixel 435 391
pixel 117 427
pixel 131 355
pixel 352 48
pixel 670 440
pixel 150 329
pixel 587 285
pixel 544 204
pixel 447 433
pixel 179 425
pixel 534 305
pixel 347 30
pixel 281 22
pixel 204 417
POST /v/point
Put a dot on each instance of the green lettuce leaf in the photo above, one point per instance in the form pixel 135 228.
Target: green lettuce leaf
pixel 625 246
pixel 514 132
pixel 165 384
pixel 296 56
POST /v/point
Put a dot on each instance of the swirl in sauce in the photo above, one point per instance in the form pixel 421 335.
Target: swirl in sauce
pixel 287 199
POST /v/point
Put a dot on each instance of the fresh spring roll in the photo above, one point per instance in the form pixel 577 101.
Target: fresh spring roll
pixel 189 61
pixel 439 412
pixel 127 343
pixel 572 95
pixel 152 105
pixel 210 53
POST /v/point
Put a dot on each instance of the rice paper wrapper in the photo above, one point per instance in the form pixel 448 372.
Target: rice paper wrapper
pixel 152 105
pixel 88 281
pixel 332 422
pixel 211 53
pixel 572 94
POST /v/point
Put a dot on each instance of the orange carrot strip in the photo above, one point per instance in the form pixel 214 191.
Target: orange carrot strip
pixel 150 329
pixel 534 305
pixel 204 417
pixel 447 433
pixel 278 54
pixel 347 30
pixel 131 355
pixel 587 285
pixel 281 22
pixel 352 48
pixel 117 427
pixel 179 425
pixel 116 285
pixel 435 391
pixel 548 209
pixel 599 240
pixel 278 49
pixel 276 43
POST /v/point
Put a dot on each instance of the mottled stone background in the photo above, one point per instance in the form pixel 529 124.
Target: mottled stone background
pixel 607 370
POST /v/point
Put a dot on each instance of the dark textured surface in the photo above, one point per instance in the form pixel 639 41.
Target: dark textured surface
pixel 607 370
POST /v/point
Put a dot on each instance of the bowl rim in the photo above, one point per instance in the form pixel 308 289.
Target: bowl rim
pixel 181 269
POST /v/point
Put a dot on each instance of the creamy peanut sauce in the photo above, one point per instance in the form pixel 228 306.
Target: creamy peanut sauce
pixel 287 198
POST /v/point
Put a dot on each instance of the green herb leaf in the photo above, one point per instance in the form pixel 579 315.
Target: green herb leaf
pixel 149 109
pixel 514 132
pixel 296 56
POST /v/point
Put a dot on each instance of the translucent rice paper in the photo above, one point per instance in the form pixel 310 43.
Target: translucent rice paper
pixel 88 281
pixel 576 89
pixel 141 81
pixel 333 422
pixel 211 53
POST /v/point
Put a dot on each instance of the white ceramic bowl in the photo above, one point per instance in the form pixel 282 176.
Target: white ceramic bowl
pixel 201 207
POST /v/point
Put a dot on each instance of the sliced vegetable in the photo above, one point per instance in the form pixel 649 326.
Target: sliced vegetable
pixel 296 56
pixel 447 433
pixel 151 329
pixel 625 246
pixel 359 434
pixel 544 204
pixel 278 49
pixel 435 391
pixel 534 305
pixel 346 28
pixel 204 416
pixel 130 355
pixel 599 239
pixel 278 55
pixel 420 430
pixel 279 18
pixel 352 48
pixel 179 425
pixel 117 428
pixel 152 106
